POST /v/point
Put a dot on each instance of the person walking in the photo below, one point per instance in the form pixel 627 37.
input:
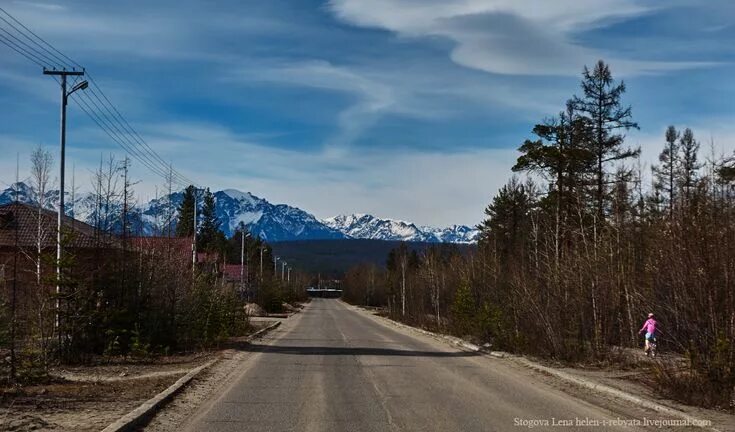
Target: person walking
pixel 650 328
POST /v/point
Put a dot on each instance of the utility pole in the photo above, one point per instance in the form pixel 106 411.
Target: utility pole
pixel 124 222
pixel 62 161
pixel 169 207
pixel 194 244
pixel 248 286
pixel 14 295
pixel 283 270
pixel 242 259
pixel 288 278
pixel 126 162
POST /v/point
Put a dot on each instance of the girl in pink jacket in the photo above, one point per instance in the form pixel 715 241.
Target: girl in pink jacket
pixel 650 328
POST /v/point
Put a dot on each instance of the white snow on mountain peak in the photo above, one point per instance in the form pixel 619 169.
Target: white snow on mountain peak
pixel 366 226
pixel 241 196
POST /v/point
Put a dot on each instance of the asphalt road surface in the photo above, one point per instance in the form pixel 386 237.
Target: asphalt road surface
pixel 332 368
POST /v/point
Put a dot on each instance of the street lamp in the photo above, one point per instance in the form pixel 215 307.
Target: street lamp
pixel 261 263
pixel 80 86
pixel 242 257
pixel 194 243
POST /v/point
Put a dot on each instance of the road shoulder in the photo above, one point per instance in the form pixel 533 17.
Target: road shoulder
pixel 598 389
pixel 203 391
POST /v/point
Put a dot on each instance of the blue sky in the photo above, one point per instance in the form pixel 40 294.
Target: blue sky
pixel 410 109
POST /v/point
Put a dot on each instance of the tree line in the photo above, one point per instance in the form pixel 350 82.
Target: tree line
pixel 572 256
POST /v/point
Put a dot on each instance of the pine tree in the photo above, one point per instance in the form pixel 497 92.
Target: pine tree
pixel 561 158
pixel 601 108
pixel 665 174
pixel 185 223
pixel 507 223
pixel 689 148
pixel 210 236
pixel 464 310
pixel 560 153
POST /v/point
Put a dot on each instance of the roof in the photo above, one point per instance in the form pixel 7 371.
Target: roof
pixel 232 271
pixel 179 247
pixel 25 217
pixel 207 257
pixel 182 243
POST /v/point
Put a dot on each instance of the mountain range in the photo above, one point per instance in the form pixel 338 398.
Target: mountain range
pixel 365 226
pixel 272 222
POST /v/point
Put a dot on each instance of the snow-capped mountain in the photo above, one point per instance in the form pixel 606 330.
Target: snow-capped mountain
pixel 453 234
pixel 83 207
pixel 25 193
pixel 365 226
pixel 272 222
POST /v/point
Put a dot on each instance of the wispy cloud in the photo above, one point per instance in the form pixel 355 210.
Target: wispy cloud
pixel 371 98
pixel 506 36
pixel 373 91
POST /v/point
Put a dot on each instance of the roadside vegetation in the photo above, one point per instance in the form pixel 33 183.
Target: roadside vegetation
pixel 576 252
pixel 125 295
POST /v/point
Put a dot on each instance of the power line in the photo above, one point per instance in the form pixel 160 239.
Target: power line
pixel 114 133
pixel 47 60
pixel 114 125
pixel 126 125
pixel 37 37
pixel 95 117
pixel 20 50
pixel 139 138
pixel 123 130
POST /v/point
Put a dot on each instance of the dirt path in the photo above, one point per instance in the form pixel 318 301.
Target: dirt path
pixel 75 406
pixel 89 398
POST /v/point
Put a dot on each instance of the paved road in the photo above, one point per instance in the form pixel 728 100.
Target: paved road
pixel 332 368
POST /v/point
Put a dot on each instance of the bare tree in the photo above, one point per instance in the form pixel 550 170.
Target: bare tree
pixel 107 194
pixel 41 164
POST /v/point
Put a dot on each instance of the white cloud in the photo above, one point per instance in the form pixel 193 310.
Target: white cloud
pixel 44 6
pixel 423 91
pixel 506 36
pixel 372 98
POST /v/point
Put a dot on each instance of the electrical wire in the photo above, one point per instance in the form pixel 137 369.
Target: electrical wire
pixel 114 125
pixel 110 121
pixel 100 122
pixel 28 48
pixel 20 51
pixel 133 133
pixel 38 37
